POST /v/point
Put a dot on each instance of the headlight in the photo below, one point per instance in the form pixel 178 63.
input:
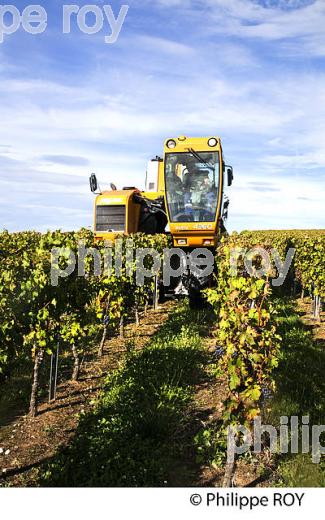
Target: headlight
pixel 213 141
pixel 171 143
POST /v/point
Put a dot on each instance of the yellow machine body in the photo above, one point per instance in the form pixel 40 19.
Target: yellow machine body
pixel 115 213
pixel 197 233
pixel 191 224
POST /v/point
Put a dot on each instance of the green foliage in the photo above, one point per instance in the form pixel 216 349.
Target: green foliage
pixel 300 388
pixel 211 446
pixel 250 333
pixel 125 441
pixel 248 336
pixel 36 315
pixel 309 261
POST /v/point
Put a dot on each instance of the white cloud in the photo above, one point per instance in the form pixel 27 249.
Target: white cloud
pixel 234 55
pixel 281 209
pixel 164 45
pixel 277 111
pixel 299 32
pixel 271 120
pixel 297 25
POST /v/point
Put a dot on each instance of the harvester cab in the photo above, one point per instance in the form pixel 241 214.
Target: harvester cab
pixel 194 190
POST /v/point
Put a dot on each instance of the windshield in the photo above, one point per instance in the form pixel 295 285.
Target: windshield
pixel 192 186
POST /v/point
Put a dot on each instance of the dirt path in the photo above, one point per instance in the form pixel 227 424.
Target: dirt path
pixel 305 310
pixel 26 443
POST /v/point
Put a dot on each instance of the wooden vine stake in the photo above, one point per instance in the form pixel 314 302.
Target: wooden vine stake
pixel 39 356
pixel 228 478
pixel 122 327
pixel 155 295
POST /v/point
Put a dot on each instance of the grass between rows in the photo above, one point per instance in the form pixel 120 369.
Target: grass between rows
pixel 130 439
pixel 300 392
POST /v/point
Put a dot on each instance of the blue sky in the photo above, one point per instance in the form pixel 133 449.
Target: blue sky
pixel 251 71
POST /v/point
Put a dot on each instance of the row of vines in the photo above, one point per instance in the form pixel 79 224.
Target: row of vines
pixel 37 315
pixel 248 342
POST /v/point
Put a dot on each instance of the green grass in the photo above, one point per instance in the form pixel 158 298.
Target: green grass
pixel 131 437
pixel 300 392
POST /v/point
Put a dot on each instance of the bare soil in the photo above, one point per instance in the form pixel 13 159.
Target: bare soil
pixel 27 442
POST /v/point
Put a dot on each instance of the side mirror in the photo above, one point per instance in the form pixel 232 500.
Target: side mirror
pixel 225 209
pixel 93 183
pixel 230 175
